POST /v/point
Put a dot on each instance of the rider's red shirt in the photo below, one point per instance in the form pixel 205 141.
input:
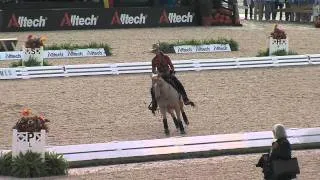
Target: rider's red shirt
pixel 162 63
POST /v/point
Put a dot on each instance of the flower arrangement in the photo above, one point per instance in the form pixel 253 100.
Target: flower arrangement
pixel 278 33
pixel 35 42
pixel 31 123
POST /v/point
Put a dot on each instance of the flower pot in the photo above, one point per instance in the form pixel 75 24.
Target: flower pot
pixel 278 44
pixel 28 141
pixel 32 53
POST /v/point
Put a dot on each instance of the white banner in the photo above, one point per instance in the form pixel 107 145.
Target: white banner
pixel 8 73
pixel 11 55
pixel 53 54
pixel 202 48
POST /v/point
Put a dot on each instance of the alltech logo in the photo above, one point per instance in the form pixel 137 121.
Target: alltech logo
pixel 75 20
pixel 175 18
pixel 23 22
pixel 128 19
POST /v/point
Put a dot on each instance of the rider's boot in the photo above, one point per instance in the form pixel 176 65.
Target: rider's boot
pixel 153 105
pixel 186 100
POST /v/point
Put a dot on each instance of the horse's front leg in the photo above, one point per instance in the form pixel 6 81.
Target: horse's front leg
pixel 164 120
pixel 177 109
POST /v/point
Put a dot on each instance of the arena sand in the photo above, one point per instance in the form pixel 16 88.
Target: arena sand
pixel 113 108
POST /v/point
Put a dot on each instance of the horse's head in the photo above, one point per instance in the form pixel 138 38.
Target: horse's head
pixel 157 83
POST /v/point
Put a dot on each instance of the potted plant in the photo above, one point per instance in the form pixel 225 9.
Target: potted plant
pixel 33 49
pixel 278 40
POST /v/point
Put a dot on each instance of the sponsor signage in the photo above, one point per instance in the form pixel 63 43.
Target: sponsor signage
pixel 53 54
pixel 73 19
pixel 20 21
pixel 202 48
pixel 11 55
pixel 8 73
pixel 177 17
pixel 132 17
pixel 82 19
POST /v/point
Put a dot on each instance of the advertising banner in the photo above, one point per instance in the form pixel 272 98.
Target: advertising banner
pixel 177 17
pixel 132 18
pixel 69 19
pixel 53 54
pixel 202 48
pixel 63 19
pixel 77 19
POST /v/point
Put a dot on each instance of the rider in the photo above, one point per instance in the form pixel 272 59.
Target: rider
pixel 162 64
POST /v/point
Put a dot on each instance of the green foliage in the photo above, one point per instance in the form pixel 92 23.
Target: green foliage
pixel 168 47
pixel 262 53
pixel 30 63
pixel 70 46
pixel 56 164
pixel 5 164
pixel 31 164
pixel 28 165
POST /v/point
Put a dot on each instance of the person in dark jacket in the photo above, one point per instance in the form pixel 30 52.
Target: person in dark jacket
pixel 281 149
pixel 162 64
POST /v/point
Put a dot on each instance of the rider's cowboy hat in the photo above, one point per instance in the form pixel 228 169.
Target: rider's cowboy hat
pixel 155 47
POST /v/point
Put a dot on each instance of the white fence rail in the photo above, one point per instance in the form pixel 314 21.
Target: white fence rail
pixel 145 67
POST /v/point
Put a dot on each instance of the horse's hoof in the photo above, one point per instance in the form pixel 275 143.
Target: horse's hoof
pixel 183 132
pixel 166 131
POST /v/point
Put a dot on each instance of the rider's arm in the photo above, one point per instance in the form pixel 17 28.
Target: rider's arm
pixel 170 63
pixel 153 66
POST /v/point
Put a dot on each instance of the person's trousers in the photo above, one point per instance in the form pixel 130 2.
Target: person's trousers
pixel 269 9
pixel 280 6
pixel 258 10
pixel 250 9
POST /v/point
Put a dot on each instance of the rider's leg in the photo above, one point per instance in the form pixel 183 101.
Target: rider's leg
pixel 154 104
pixel 179 87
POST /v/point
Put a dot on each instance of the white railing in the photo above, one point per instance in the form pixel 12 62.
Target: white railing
pixel 145 67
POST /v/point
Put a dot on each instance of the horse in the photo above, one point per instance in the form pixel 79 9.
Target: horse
pixel 169 100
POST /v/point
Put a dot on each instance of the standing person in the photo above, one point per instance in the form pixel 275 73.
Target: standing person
pixel 258 9
pixel 289 15
pixel 269 9
pixel 162 64
pixel 278 4
pixel 249 5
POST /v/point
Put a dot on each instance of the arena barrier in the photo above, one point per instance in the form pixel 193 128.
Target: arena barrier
pixel 145 67
pixel 82 155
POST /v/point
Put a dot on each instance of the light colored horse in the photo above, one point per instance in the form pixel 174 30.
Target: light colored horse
pixel 169 100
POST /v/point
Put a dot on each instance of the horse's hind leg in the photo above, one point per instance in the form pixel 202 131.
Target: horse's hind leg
pixel 177 109
pixel 184 116
pixel 174 119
